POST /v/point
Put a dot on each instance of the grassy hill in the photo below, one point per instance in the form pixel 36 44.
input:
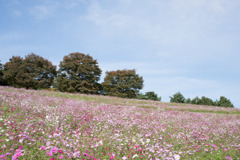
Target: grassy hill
pixel 53 125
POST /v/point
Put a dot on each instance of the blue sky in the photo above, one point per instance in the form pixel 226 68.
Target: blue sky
pixel 191 46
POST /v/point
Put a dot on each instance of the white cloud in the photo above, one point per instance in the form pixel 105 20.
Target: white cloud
pixel 41 11
pixel 106 19
pixel 17 13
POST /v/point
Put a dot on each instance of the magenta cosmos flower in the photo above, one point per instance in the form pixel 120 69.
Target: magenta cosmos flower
pixel 54 150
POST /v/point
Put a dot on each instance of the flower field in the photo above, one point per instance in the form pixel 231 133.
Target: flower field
pixel 50 125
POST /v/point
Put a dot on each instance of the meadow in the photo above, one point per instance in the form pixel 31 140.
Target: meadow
pixel 38 124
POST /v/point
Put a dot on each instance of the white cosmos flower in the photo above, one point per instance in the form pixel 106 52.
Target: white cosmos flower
pixel 176 157
pixel 135 155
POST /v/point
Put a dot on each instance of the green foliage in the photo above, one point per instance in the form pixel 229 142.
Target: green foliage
pixel 149 96
pixel 189 101
pixel 224 102
pixel 3 82
pixel 177 98
pixel 32 72
pixel 207 101
pixel 11 70
pixel 196 100
pixel 122 83
pixel 141 96
pixel 79 73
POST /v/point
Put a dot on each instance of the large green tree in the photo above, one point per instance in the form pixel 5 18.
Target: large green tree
pixel 177 98
pixel 207 101
pixel 122 83
pixel 3 82
pixel 79 73
pixel 12 69
pixel 196 100
pixel 224 102
pixel 32 72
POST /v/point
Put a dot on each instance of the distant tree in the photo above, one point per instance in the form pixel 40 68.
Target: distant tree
pixel 189 101
pixel 224 102
pixel 207 101
pixel 32 72
pixel 177 98
pixel 122 83
pixel 196 100
pixel 3 82
pixel 149 96
pixel 79 73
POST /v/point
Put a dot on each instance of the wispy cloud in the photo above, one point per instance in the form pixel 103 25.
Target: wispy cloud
pixel 41 11
pixel 107 20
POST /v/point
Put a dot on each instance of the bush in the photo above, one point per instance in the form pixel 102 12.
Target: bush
pixel 149 96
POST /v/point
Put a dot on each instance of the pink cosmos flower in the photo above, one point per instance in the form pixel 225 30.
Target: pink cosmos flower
pixel 112 157
pixel 18 150
pixel 61 157
pixel 49 153
pixel 43 148
pixel 16 155
pixel 54 150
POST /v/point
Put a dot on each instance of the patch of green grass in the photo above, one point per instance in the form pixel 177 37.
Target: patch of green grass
pixel 150 107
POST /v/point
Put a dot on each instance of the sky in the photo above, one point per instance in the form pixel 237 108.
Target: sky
pixel 191 46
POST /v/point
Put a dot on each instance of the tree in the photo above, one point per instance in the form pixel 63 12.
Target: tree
pixel 11 70
pixel 122 83
pixel 224 102
pixel 177 98
pixel 3 82
pixel 32 72
pixel 79 73
pixel 196 100
pixel 149 96
pixel 188 101
pixel 207 101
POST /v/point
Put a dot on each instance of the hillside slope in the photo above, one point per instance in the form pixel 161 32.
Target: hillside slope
pixel 53 125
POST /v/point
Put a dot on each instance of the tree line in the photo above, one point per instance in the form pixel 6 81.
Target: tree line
pixel 77 72
pixel 222 102
pixel 80 73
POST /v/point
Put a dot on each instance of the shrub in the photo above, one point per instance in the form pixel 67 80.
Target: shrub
pixel 149 96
